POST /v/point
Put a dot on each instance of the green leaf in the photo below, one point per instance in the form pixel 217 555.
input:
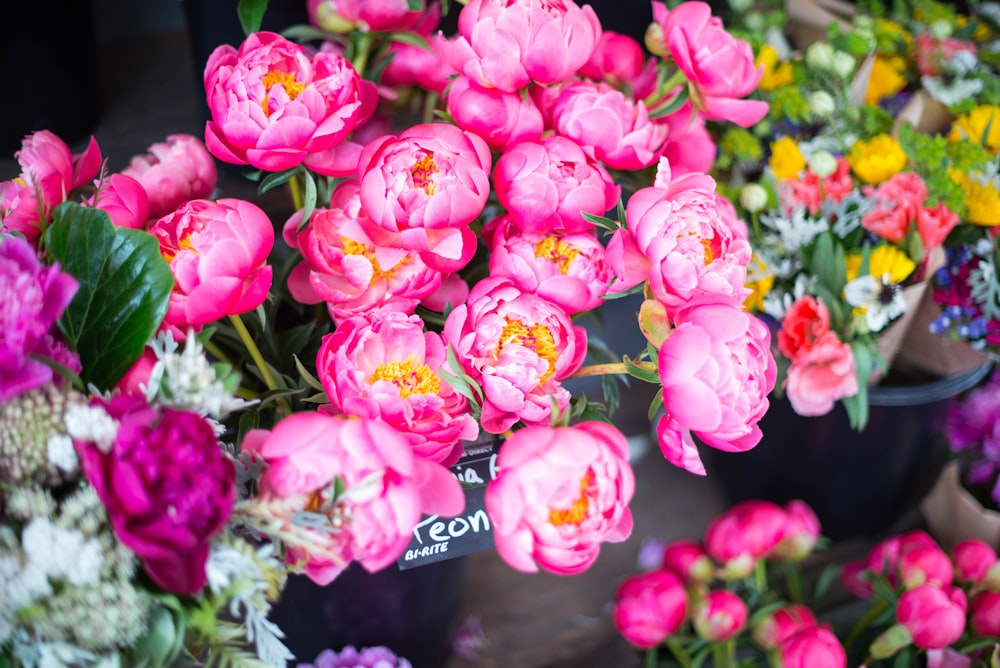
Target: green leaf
pixel 304 33
pixel 414 5
pixel 251 13
pixel 601 221
pixel 276 179
pixel 676 103
pixel 825 580
pixel 124 289
pixel 640 372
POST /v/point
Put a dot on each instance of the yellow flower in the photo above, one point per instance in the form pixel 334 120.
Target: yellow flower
pixel 981 125
pixel 877 159
pixel 786 160
pixel 982 199
pixel 776 74
pixel 886 78
pixel 884 260
pixel 760 280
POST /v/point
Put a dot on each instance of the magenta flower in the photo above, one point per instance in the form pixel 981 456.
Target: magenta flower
pixel 745 533
pixel 719 615
pixel 559 494
pixel 720 69
pixel 517 346
pixel 717 369
pixel 813 647
pixel 386 368
pixel 344 266
pixel 49 172
pixel 499 117
pixel 167 487
pixel 366 15
pixel 688 559
pixel 934 616
pixel 617 60
pixel 546 185
pixel 305 452
pixel 507 44
pixel 123 199
pixel 568 270
pixel 32 298
pixel 272 105
pixel 775 628
pixel 350 657
pixel 924 564
pixel 972 559
pixel 802 531
pixel 984 613
pixel 616 128
pixel 649 607
pixel 174 171
pixel 217 252
pixel 689 148
pixel 427 185
pixel 416 66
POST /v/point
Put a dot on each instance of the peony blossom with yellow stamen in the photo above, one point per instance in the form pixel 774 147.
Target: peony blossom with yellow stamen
pixel 877 159
pixel 786 159
pixel 981 125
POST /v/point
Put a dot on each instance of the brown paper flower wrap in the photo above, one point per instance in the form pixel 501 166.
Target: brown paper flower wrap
pixel 953 515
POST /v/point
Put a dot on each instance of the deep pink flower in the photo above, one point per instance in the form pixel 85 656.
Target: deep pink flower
pixel 366 15
pixel 719 615
pixel 386 368
pixel 805 322
pixel 372 527
pixel 720 69
pixel 426 186
pixel 745 533
pixel 897 201
pixel 775 628
pixel 984 613
pixel 499 117
pixel 689 148
pixel 802 531
pixel 217 252
pixel 972 559
pixel 272 104
pixel 174 171
pixel 617 60
pixel 934 223
pixel 507 44
pixel 546 185
pixel 136 379
pixel 416 66
pixel 560 493
pixel 924 564
pixel 821 375
pixel 569 270
pixel 518 347
pixel 124 199
pixel 813 647
pixel 454 290
pixel 688 559
pixel 934 616
pixel 716 369
pixel 344 266
pixel 649 607
pixel 167 486
pixel 947 658
pixel 49 172
pixel 810 191
pixel 32 298
pixel 616 128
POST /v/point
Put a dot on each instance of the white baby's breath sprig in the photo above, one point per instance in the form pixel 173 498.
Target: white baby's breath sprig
pixel 92 424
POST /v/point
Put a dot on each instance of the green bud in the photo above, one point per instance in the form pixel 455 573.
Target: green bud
pixel 822 164
pixel 940 29
pixel 821 104
pixel 893 639
pixel 753 197
pixel 843 64
pixel 819 56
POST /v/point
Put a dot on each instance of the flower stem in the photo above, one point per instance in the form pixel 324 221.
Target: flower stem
pixel 296 189
pixel 793 579
pixel 677 649
pixel 258 359
pixel 609 369
pixel 877 609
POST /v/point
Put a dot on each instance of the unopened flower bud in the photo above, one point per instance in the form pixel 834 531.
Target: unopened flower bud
pixel 654 39
pixel 821 104
pixel 940 29
pixel 822 164
pixel 819 56
pixel 893 639
pixel 754 21
pixel 331 20
pixel 843 64
pixel 740 6
pixel 753 197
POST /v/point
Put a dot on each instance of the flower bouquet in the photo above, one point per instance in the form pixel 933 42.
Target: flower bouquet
pixel 738 598
pixel 198 400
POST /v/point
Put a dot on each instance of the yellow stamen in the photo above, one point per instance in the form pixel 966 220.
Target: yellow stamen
pixel 422 171
pixel 409 377
pixel 577 511
pixel 352 247
pixel 286 80
pixel 556 251
pixel 182 245
pixel 536 337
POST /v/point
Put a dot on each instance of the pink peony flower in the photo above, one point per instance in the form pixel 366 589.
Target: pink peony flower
pixel 517 346
pixel 984 613
pixel 174 171
pixel 716 369
pixel 386 368
pixel 649 607
pixel 689 148
pixel 546 185
pixel 743 534
pixel 272 105
pixel 498 117
pixel 617 60
pixel 813 647
pixel 897 203
pixel 416 66
pixel 136 379
pixel 805 322
pixel 559 494
pixel 32 299
pixel 49 172
pixel 425 187
pixel 454 290
pixel 167 486
pixel 616 128
pixel 719 68
pixel 217 252
pixel 934 223
pixel 386 487
pixel 821 375
pixel 681 237
pixel 366 15
pixel 688 559
pixel 772 630
pixel 507 44
pixel 568 270
pixel 934 616
pixel 802 531
pixel 346 268
pixel 719 615
pixel 972 559
pixel 924 564
pixel 124 199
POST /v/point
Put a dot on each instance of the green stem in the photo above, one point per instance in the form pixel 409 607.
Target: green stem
pixel 609 369
pixel 760 575
pixel 258 359
pixel 793 579
pixel 677 649
pixel 877 609
pixel 217 353
pixel 296 189
pixel 362 54
pixel 651 658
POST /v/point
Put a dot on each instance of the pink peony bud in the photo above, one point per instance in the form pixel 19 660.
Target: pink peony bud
pixel 984 613
pixel 748 531
pixel 173 172
pixel 920 564
pixel 617 60
pixel 125 201
pixel 501 119
pixel 719 615
pixel 802 530
pixel 774 629
pixel 687 558
pixel 813 647
pixel 649 607
pixel 972 559
pixel 934 616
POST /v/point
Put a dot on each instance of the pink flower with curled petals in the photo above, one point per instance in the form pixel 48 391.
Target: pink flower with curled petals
pixel 617 60
pixel 689 148
pixel 688 559
pixel 560 493
pixel 426 186
pixel 507 44
pixel 897 201
pixel 811 191
pixel 217 252
pixel 417 66
pixel 386 368
pixel 984 613
pixel 813 647
pixel 546 185
pixel 821 375
pixel 924 563
pixel 649 607
pixel 174 171
pixel 972 559
pixel 569 270
pixel 518 347
pixel 124 199
pixel 775 628
pixel 366 15
pixel 802 531
pixel 934 616
pixel 386 487
pixel 499 117
pixel 934 223
pixel 745 533
pixel 719 615
pixel 272 104
pixel 805 322
pixel 717 370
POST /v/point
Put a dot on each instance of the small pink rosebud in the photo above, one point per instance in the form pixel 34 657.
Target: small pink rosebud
pixel 649 607
pixel 719 615
pixel 972 559
pixel 984 613
pixel 687 558
pixel 812 647
pixel 934 616
pixel 774 629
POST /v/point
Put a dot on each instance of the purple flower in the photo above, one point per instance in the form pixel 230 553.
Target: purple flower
pixel 973 428
pixel 32 297
pixel 349 657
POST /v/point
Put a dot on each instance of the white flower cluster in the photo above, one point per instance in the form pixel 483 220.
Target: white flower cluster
pixel 91 423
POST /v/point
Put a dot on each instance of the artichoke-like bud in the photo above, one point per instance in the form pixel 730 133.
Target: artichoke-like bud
pixel 34 446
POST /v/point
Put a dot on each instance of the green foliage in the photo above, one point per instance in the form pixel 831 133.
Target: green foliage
pixel 251 13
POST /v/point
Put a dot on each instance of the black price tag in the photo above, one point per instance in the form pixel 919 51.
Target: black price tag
pixel 440 538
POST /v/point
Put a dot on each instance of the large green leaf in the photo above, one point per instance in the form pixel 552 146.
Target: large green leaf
pixel 251 13
pixel 125 286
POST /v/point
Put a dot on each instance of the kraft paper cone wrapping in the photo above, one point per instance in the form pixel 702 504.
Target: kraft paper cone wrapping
pixel 890 341
pixel 953 515
pixel 924 113
pixel 808 19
